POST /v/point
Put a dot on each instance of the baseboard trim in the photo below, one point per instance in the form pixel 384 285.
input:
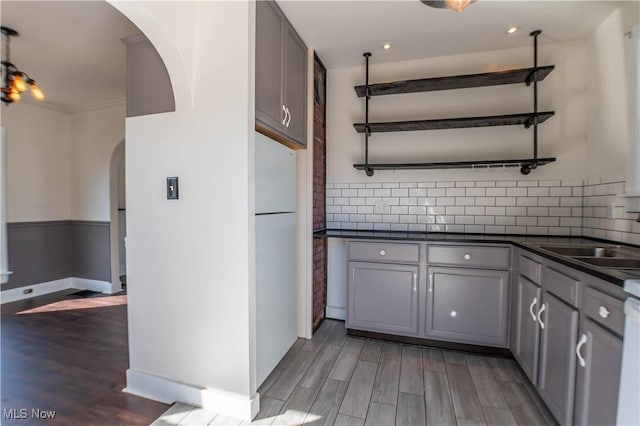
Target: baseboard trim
pixel 168 391
pixel 336 313
pixel 96 285
pixel 15 294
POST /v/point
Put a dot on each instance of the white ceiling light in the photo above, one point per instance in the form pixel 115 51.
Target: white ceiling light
pixel 513 29
pixel 386 46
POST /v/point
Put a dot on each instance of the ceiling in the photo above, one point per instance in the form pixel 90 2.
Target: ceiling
pixel 341 31
pixel 71 48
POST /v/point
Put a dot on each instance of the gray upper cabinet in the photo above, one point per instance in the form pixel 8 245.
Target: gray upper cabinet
pixel 383 297
pixel 556 378
pixel 526 331
pixel 149 89
pixel 468 305
pixel 281 77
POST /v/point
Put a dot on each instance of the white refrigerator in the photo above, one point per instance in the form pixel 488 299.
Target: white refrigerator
pixel 276 302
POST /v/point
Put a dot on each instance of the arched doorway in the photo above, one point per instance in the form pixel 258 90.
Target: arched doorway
pixel 117 206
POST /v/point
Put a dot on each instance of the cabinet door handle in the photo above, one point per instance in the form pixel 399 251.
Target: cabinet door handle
pixel 583 340
pixel 603 312
pixel 542 309
pixel 289 120
pixel 430 283
pixel 284 119
pixel 415 282
pixel 535 300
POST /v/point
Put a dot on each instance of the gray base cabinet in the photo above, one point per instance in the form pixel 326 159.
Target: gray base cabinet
pixel 468 305
pixel 383 297
pixel 598 377
pixel 556 378
pixel 526 329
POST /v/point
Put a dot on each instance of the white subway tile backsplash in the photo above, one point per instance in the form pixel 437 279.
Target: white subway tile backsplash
pixel 564 191
pixel 417 192
pixel 548 207
pixel 455 210
pixel 505 201
pixel 516 192
pixel 399 209
pixel 496 192
pixel 527 183
pixel 495 211
pixel 538 192
pixel 455 192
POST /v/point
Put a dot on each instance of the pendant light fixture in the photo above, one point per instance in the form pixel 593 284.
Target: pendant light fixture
pixel 14 81
pixel 457 5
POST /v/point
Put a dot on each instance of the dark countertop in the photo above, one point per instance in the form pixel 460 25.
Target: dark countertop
pixel 528 242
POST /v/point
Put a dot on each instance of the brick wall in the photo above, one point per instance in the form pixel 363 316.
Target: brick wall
pixel 319 193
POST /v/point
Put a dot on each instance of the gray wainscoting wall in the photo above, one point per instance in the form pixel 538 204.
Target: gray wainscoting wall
pixel 51 250
pixel 90 250
pixel 38 252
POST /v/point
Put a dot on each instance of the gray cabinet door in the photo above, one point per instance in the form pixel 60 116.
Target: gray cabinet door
pixel 526 342
pixel 598 380
pixel 269 74
pixel 383 297
pixel 556 378
pixel 295 85
pixel 468 305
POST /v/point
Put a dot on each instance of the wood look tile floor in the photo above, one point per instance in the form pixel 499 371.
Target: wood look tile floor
pixel 334 379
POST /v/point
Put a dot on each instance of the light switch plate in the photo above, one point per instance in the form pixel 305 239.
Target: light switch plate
pixel 172 188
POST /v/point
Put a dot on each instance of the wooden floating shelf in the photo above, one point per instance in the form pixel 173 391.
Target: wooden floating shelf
pixel 458 164
pixel 523 75
pixel 526 119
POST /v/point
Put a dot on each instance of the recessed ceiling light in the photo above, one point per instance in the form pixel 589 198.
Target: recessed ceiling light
pixel 512 29
pixel 386 46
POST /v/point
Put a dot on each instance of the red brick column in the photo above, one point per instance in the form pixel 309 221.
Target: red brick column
pixel 319 192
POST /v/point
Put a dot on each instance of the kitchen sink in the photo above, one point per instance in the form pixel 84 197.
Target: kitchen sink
pixel 611 262
pixel 591 251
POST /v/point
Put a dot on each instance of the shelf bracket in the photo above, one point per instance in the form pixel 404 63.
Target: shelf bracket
pixel 526 168
pixel 367 128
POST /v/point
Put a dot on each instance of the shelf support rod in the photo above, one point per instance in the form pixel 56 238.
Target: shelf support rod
pixel 367 129
pixel 535 35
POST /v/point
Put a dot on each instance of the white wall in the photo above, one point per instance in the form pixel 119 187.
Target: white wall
pixel 562 136
pixel 94 135
pixel 190 262
pixel 38 163
pixel 607 113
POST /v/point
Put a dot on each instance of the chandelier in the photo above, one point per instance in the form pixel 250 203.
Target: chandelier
pixel 14 81
pixel 457 5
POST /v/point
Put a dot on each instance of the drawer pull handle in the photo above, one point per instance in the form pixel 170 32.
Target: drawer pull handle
pixel 383 252
pixel 604 312
pixel 583 340
pixel 535 300
pixel 542 309
pixel 467 256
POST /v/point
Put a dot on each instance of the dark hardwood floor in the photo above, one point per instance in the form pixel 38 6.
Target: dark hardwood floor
pixel 69 355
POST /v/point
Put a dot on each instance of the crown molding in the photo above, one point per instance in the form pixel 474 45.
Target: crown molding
pixel 77 108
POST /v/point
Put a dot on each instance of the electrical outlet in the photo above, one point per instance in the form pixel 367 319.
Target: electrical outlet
pixel 172 188
pixel 382 207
